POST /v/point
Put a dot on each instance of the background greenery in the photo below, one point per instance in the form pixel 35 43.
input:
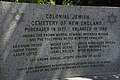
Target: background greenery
pixel 73 2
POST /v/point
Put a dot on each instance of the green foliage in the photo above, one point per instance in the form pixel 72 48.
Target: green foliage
pixel 65 2
pixel 73 2
pixel 39 1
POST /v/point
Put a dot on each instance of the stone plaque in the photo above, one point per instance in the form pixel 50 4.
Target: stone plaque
pixel 42 42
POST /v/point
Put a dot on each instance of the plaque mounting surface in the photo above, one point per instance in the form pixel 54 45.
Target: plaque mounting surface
pixel 44 41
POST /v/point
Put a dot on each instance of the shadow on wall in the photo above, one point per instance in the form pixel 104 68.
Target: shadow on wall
pixel 78 78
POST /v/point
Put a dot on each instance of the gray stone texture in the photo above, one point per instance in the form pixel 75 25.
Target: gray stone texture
pixel 44 42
